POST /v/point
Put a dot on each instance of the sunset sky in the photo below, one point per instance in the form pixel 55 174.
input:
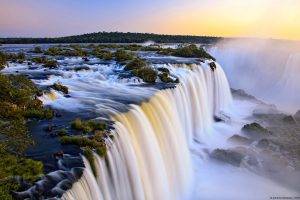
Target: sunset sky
pixel 243 18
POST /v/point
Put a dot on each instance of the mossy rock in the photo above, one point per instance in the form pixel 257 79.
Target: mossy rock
pixel 136 63
pixel 81 68
pixel 164 77
pixel 51 64
pixel 148 74
pixel 87 126
pixel 61 88
pixel 255 131
pixel 121 55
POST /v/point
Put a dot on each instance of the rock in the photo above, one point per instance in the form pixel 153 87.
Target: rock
pixel 213 66
pixel 239 140
pixel 85 59
pixel 228 156
pixel 255 131
pixel 289 119
pixel 263 144
pixel 297 115
pixel 58 154
pixel 48 128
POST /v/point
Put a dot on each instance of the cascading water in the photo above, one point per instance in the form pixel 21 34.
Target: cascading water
pixel 149 157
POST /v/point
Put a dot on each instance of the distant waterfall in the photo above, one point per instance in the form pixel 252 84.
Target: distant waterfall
pixel 149 156
pixel 264 68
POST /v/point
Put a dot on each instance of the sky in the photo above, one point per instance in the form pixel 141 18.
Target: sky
pixel 278 19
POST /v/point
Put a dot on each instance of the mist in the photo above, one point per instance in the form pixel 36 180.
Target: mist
pixel 267 69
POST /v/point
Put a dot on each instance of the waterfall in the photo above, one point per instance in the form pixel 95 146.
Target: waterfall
pixel 264 68
pixel 149 156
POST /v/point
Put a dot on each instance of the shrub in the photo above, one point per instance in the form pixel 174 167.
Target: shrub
pixel 61 88
pixel 164 77
pixel 162 69
pixel 148 74
pixel 87 126
pixel 3 60
pixel 121 55
pixel 190 51
pixel 51 64
pixel 39 60
pixel 136 63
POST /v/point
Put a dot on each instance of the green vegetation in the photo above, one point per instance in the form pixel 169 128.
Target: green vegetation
pixel 190 51
pixel 18 103
pixel 3 60
pixel 88 153
pixel 61 88
pixel 255 127
pixel 48 63
pixel 148 74
pixel 72 50
pixel 164 77
pixel 121 56
pixel 51 64
pixel 136 63
pixel 115 37
pixel 140 68
pixel 102 54
pixel 87 126
pixel 11 57
pixel 12 167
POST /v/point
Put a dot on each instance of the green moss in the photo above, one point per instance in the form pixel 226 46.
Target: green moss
pixel 190 51
pixel 88 153
pixel 87 126
pixel 17 103
pixel 3 60
pixel 6 186
pixel 51 64
pixel 121 56
pixel 148 74
pixel 164 77
pixel 72 50
pixel 136 63
pixel 39 60
pixel 254 127
pixel 61 88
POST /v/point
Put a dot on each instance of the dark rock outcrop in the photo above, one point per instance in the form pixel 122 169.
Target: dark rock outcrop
pixel 237 139
pixel 228 156
pixel 255 131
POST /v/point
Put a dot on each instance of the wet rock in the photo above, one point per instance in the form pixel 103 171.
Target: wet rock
pixel 85 59
pixel 48 128
pixel 297 115
pixel 263 144
pixel 237 139
pixel 289 119
pixel 59 154
pixel 255 131
pixel 213 66
pixel 228 156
